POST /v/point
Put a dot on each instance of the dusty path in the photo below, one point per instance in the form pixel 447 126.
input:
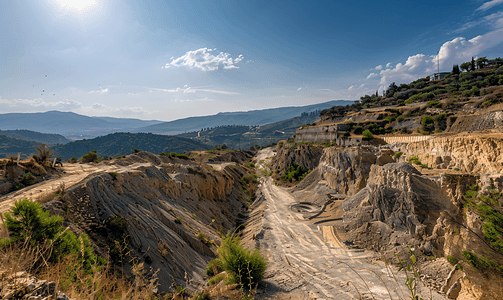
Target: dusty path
pixel 74 173
pixel 310 261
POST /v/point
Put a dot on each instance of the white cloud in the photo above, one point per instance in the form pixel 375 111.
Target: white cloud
pixel 187 89
pixel 489 4
pixel 205 60
pixel 217 92
pixel 102 109
pixel 299 89
pixel 379 67
pixel 192 100
pixel 353 87
pixel 371 75
pixel 352 93
pixel 388 65
pixel 101 91
pixel 494 21
pixel 183 90
pixel 38 104
pixel 451 52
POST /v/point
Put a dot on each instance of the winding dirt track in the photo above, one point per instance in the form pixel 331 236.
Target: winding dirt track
pixel 74 173
pixel 310 261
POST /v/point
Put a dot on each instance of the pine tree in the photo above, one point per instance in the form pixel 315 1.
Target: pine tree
pixel 455 70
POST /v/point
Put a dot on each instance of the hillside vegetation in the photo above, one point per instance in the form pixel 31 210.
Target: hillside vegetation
pixel 11 146
pixel 125 143
pixel 245 137
pixel 28 135
pixel 426 107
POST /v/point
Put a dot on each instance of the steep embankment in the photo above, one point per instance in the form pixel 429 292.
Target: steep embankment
pixel 475 152
pixel 164 213
pixel 335 170
pixel 391 205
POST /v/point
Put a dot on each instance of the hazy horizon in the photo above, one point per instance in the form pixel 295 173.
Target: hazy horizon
pixel 190 116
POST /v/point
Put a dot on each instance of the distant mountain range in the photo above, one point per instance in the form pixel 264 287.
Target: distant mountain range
pixel 75 126
pixel 253 117
pixel 236 129
pixel 69 124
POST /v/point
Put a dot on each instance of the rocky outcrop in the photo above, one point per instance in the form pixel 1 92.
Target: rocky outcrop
pixel 342 171
pixel 168 213
pixel 480 153
pixel 478 122
pixel 21 285
pixel 398 196
pixel 307 156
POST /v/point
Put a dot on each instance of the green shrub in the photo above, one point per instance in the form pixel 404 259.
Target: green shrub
pixel 174 154
pixel 398 154
pixel 250 165
pixel 475 91
pixel 295 173
pixel 113 174
pixel 89 157
pixel 414 159
pixel 426 121
pixel 73 159
pixel 474 260
pixel 28 221
pixel 245 267
pixel 487 103
pixel 452 259
pixel 201 236
pixel 136 150
pixel 367 135
pixel 290 140
pixel 178 221
pixel 436 104
pixel 216 279
pixel 399 118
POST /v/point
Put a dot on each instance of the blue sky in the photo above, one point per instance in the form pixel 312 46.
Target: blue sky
pixel 172 59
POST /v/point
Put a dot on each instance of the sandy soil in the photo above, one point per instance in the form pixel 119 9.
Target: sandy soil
pixel 310 260
pixel 73 173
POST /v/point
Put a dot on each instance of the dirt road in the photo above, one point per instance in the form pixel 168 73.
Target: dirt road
pixel 311 262
pixel 74 173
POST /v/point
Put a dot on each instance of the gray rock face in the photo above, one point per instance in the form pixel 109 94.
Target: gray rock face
pixel 398 196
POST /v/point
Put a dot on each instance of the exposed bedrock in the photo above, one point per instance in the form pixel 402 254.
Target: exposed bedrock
pixel 481 153
pixel 163 208
pixel 399 196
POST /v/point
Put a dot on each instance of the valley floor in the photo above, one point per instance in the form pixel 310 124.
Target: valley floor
pixel 307 261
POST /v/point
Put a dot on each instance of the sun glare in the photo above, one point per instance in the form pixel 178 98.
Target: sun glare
pixel 77 5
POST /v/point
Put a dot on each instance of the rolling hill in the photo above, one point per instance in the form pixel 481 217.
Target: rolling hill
pixel 123 143
pixel 244 137
pixel 253 117
pixel 28 135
